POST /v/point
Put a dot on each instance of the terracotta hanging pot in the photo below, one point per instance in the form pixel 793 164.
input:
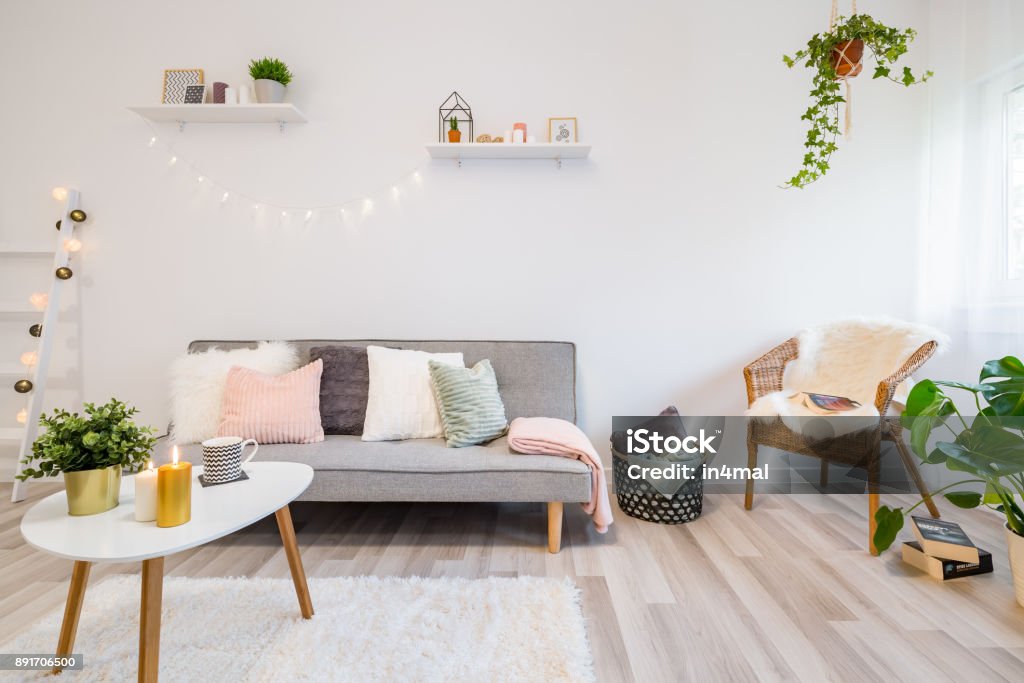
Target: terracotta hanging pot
pixel 846 58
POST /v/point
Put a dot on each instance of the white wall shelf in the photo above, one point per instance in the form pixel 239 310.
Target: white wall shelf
pixel 221 113
pixel 498 150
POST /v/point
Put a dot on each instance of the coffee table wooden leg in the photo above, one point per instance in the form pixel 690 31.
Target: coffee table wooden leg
pixel 149 619
pixel 72 609
pixel 291 550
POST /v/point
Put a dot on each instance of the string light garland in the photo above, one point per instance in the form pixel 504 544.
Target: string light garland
pixel 340 211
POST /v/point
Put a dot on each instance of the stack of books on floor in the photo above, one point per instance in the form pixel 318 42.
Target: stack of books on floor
pixel 943 551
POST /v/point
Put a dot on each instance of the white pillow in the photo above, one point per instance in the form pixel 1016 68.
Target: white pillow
pixel 197 384
pixel 401 403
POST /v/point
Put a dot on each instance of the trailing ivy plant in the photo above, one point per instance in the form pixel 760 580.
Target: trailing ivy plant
pixel 270 69
pixel 885 44
pixel 989 446
pixel 105 436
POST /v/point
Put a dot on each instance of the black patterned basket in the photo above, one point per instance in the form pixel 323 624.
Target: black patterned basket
pixel 639 499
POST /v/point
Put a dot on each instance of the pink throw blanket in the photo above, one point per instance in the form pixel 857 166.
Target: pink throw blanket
pixel 550 436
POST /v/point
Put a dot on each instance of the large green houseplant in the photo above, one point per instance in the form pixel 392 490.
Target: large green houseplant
pixel 834 56
pixel 988 446
pixel 90 450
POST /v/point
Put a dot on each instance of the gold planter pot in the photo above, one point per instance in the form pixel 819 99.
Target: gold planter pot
pixel 93 491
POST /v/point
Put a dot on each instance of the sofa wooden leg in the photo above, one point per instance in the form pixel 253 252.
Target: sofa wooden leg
pixel 554 527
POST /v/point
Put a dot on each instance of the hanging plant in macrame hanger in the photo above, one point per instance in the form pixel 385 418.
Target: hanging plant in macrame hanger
pixel 836 56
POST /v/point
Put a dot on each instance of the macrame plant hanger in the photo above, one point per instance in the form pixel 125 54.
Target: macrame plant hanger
pixel 842 59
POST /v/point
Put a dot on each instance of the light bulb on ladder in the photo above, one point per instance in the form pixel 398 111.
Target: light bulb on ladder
pixel 72 245
pixel 60 194
pixel 22 416
pixel 29 359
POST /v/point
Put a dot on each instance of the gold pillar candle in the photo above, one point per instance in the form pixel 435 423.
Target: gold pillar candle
pixel 174 492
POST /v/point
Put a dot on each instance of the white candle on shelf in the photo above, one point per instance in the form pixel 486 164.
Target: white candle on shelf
pixel 145 494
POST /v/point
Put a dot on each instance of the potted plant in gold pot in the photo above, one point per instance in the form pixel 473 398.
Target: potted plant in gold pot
pixel 988 446
pixel 90 451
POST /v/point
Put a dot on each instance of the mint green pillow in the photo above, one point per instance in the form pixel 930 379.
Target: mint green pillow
pixel 469 402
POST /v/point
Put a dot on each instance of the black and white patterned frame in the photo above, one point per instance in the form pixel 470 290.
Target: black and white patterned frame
pixel 175 82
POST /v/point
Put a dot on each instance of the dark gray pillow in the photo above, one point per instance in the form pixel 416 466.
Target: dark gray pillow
pixel 344 386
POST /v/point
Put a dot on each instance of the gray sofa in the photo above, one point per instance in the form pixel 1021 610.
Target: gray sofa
pixel 535 379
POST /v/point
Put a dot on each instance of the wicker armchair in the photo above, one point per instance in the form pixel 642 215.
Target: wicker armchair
pixel 764 376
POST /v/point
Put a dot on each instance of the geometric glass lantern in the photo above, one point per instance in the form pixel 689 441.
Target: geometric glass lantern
pixel 454 108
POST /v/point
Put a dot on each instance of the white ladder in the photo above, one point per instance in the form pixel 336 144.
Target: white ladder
pixel 46 333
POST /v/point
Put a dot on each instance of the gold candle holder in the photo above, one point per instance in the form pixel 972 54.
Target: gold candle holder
pixel 174 492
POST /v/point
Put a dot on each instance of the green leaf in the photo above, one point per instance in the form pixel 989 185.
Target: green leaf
pixel 964 499
pixel 880 71
pixel 889 522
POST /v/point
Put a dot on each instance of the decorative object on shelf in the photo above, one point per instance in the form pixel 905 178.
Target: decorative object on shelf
pixel 836 56
pixel 563 130
pixel 145 494
pixel 519 132
pixel 230 96
pixel 36 330
pixel 222 458
pixel 988 447
pixel 454 134
pixel 507 137
pixel 174 492
pixel 63 273
pixel 272 77
pixel 195 94
pixel 95 447
pixel 175 82
pixel 498 139
pixel 244 96
pixel 484 137
pixel 39 300
pixel 454 109
pixel 218 92
pixel 23 386
pixel 77 215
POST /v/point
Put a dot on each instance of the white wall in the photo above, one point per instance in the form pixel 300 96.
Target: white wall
pixel 672 257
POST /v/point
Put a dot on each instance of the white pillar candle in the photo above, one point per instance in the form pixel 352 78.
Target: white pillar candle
pixel 145 494
pixel 508 136
pixel 230 96
pixel 243 94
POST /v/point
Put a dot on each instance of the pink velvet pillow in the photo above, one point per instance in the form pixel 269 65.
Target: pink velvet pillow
pixel 273 408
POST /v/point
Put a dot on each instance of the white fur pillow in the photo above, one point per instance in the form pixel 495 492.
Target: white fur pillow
pixel 401 403
pixel 197 384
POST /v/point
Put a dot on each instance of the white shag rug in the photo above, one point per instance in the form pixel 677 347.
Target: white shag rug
pixel 364 629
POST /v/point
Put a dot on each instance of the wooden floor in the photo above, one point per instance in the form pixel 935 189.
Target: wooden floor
pixel 785 592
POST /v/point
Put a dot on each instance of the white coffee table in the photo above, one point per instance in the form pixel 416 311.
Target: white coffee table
pixel 115 536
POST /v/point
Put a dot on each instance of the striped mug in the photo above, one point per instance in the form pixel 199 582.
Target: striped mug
pixel 222 458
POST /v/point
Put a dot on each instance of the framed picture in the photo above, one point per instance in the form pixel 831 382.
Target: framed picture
pixel 195 94
pixel 563 130
pixel 175 82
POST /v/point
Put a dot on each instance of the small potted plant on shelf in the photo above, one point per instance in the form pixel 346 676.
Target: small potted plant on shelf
pixel 90 451
pixel 454 134
pixel 988 446
pixel 271 77
pixel 835 56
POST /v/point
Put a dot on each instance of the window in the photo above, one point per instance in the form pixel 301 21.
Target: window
pixel 1014 207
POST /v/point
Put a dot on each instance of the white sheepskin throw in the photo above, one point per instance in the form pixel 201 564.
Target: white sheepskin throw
pixel 846 358
pixel 197 384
